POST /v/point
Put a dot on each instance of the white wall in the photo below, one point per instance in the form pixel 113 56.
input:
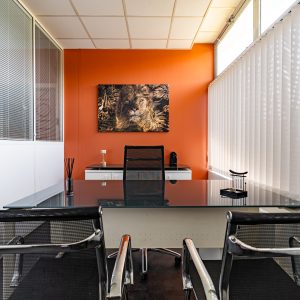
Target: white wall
pixel 27 167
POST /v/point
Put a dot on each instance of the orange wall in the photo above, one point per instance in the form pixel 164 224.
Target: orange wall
pixel 187 72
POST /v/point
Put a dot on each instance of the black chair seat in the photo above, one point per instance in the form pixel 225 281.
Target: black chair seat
pixel 60 254
pixel 74 276
pixel 251 279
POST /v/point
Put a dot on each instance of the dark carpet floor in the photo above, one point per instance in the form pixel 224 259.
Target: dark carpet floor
pixel 163 280
pixel 62 279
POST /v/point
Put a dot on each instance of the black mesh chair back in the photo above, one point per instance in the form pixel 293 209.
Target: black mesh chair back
pixel 144 193
pixel 257 261
pixel 141 164
pixel 144 163
pixel 55 254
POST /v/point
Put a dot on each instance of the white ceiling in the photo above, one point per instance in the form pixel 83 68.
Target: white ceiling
pixel 132 24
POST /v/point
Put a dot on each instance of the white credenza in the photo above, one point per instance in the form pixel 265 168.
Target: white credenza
pixel 115 172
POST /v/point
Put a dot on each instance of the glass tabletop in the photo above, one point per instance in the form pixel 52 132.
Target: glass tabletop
pixel 151 193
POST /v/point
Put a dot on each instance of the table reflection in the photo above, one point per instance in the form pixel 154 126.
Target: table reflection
pixel 148 193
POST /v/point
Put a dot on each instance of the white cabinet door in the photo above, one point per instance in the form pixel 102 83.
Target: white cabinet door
pixel 178 175
pixel 97 175
pixel 118 175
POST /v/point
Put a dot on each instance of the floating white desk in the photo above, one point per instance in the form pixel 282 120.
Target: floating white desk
pixel 115 172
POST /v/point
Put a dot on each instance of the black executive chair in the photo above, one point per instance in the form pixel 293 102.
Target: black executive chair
pixel 60 254
pixel 256 260
pixel 144 193
pixel 146 163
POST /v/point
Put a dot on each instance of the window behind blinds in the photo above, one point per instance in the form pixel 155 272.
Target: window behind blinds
pixel 16 78
pixel 254 110
pixel 48 104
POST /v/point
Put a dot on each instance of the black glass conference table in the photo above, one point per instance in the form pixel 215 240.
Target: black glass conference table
pixel 157 213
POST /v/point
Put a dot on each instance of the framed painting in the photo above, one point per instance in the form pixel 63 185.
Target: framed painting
pixel 133 108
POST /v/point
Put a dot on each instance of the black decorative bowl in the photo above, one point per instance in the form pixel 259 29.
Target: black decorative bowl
pixel 233 193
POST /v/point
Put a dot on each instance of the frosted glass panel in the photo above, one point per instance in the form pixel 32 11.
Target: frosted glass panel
pixel 48 100
pixel 271 10
pixel 16 80
pixel 235 41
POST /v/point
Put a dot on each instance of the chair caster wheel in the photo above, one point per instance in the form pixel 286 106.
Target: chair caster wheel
pixel 177 261
pixel 144 276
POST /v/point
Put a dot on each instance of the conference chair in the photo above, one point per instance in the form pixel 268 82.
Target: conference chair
pixel 142 163
pixel 256 261
pixel 60 254
pixel 144 193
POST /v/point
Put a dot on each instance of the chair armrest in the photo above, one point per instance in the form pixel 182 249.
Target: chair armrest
pixel 190 253
pixel 293 239
pixel 90 242
pixel 123 269
pixel 239 248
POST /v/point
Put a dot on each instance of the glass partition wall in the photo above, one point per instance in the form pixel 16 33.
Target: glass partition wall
pixel 47 88
pixel 30 105
pixel 16 65
pixel 19 46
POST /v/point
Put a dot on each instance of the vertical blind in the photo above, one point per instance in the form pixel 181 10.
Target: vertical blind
pixel 254 110
pixel 16 82
pixel 48 114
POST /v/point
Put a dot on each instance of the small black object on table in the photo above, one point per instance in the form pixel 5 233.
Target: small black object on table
pixel 238 189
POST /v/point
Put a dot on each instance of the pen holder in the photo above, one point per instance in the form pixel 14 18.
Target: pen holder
pixel 69 186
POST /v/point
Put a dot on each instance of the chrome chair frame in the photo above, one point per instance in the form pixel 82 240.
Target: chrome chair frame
pixel 294 240
pixel 114 288
pixel 233 247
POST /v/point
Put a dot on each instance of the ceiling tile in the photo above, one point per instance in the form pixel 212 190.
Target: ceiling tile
pixel 76 43
pixel 99 7
pixel 149 44
pixel 180 44
pixel 216 19
pixel 184 27
pixel 64 27
pixel 106 27
pixel 149 7
pixel 193 8
pixel 49 7
pixel 151 28
pixel 206 37
pixel 225 3
pixel 111 44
